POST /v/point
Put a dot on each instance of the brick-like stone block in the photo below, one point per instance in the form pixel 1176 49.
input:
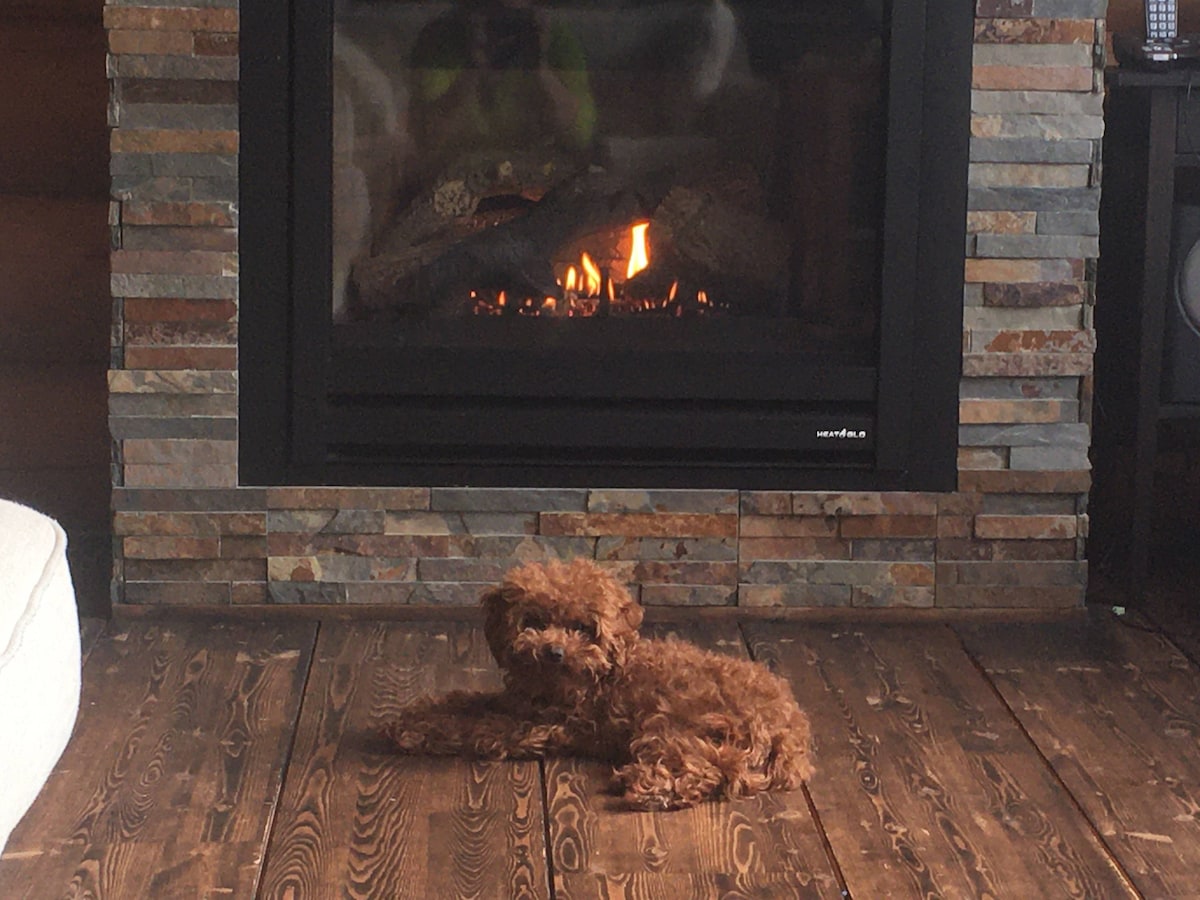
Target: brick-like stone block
pixel 1001 482
pixel 1029 549
pixel 627 548
pixel 1051 175
pixel 1019 527
pixel 651 571
pixel 864 504
pixel 1040 103
pixel 810 526
pixel 1035 294
pixel 1035 31
pixel 181 475
pixel 1016 271
pixel 130 381
pixel 507 500
pixel 175 593
pixel 893 596
pixel 766 503
pixel 1014 573
pixel 164 524
pixel 147 17
pixel 662 501
pixel 289 592
pixel 1032 150
pixel 1025 364
pixel 340 568
pixel 785 548
pixel 333 498
pixel 688 595
pixel 794 595
pixel 1003 597
pixel 889 526
pixel 681 525
pixel 161 547
pixel 1001 222
pixel 978 412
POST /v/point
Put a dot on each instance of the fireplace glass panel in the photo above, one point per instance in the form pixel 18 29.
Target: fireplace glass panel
pixel 716 166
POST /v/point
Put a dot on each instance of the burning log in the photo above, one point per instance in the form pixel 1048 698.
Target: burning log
pixel 513 256
pixel 736 255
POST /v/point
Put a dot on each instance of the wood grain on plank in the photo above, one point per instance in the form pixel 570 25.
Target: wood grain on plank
pixel 358 820
pixel 168 786
pixel 1116 711
pixel 763 847
pixel 925 786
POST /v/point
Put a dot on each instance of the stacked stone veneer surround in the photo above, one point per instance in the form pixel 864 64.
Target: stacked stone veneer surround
pixel 1012 535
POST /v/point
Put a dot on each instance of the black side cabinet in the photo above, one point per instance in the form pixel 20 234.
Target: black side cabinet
pixel 1151 169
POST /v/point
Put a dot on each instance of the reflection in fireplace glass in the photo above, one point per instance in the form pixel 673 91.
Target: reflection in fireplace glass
pixel 610 158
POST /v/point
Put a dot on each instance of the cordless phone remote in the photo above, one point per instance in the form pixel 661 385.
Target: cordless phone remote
pixel 1162 20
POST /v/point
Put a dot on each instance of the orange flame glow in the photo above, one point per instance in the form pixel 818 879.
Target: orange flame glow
pixel 639 252
pixel 591 275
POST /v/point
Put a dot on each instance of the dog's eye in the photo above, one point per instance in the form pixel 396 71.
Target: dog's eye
pixel 588 631
pixel 532 621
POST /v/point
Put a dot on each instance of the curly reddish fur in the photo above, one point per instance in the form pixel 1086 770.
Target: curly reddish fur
pixel 679 724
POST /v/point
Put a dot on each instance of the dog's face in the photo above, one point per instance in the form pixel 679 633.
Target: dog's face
pixel 553 622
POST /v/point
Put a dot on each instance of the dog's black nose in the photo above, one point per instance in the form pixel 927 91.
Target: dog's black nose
pixel 555 653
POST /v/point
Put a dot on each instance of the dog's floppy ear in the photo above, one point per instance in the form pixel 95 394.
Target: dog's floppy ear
pixel 495 624
pixel 631 613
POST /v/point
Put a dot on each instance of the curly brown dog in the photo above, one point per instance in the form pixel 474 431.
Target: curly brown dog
pixel 679 724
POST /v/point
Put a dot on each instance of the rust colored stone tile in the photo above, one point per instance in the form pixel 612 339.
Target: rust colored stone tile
pixel 766 503
pixel 1034 294
pixel 1026 364
pixel 188 524
pixel 1035 31
pixel 786 548
pixel 1002 597
pixel 980 551
pixel 980 458
pixel 293 568
pixel 209 44
pixel 150 43
pixel 123 140
pixel 1014 482
pixel 217 214
pixel 986 412
pixel 992 222
pixel 170 19
pixel 181 381
pixel 209 358
pixel 864 504
pixel 170 548
pixel 954 526
pixel 176 238
pixel 244 547
pixel 872 596
pixel 174 593
pixel 689 573
pixel 248 593
pixel 788 526
pixel 181 476
pixel 184 452
pixel 962 503
pixel 349 498
pixel 1017 271
pixel 147 309
pixel 170 262
pixel 195 569
pixel 1032 78
pixel 889 526
pixel 911 574
pixel 1042 342
pixel 638 525
pixel 180 334
pixel 1018 527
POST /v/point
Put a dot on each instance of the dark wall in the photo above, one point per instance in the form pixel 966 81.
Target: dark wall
pixel 54 297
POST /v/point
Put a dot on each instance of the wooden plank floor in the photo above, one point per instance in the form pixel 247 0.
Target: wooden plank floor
pixel 242 760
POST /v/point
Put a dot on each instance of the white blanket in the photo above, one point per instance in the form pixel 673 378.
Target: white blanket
pixel 39 657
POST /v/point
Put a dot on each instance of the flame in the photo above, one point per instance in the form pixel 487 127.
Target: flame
pixel 502 299
pixel 639 252
pixel 592 275
pixel 674 290
pixel 572 279
pixel 702 297
pixel 550 304
pixel 612 291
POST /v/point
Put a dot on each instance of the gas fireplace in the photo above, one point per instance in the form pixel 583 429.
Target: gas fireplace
pixel 682 243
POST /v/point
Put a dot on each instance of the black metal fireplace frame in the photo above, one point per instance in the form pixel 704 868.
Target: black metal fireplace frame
pixel 317 410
